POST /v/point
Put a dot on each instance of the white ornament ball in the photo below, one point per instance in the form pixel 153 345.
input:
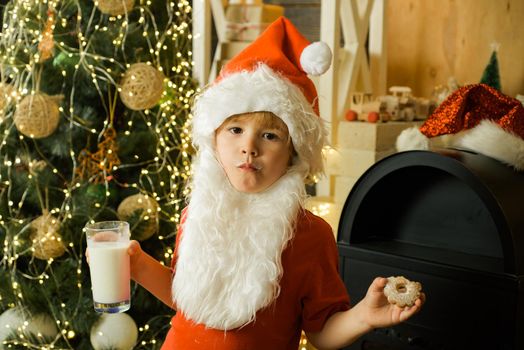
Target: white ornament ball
pixel 37 115
pixel 13 321
pixel 10 320
pixel 115 7
pixel 114 331
pixel 47 242
pixel 141 87
pixel 148 208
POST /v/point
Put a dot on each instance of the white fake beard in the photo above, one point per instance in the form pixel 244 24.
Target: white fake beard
pixel 229 258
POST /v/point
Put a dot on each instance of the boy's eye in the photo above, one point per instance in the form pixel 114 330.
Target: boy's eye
pixel 235 130
pixel 270 136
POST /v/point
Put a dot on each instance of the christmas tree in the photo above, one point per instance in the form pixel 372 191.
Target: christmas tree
pixel 93 123
pixel 491 75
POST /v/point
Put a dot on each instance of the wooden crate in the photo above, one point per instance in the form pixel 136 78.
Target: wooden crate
pixel 352 161
pixel 371 136
pixel 343 185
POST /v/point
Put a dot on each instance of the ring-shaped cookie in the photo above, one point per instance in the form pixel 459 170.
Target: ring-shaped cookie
pixel 401 291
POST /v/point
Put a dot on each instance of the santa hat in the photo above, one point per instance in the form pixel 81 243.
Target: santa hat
pixel 494 124
pixel 270 75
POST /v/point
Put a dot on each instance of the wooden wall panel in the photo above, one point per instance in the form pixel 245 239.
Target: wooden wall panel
pixel 431 40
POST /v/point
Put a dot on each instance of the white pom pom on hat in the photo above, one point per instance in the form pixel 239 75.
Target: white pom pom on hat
pixel 411 139
pixel 316 58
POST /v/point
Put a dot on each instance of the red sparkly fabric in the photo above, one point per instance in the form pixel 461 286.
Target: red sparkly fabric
pixel 469 105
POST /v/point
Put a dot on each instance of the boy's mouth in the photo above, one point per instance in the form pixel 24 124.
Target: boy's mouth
pixel 249 167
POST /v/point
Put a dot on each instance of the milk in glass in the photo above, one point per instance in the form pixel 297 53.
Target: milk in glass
pixel 109 265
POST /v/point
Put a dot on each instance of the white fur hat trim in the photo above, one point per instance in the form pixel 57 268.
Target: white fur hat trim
pixel 316 58
pixel 490 139
pixel 412 139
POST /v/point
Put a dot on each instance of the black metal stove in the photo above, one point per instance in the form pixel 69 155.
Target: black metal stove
pixel 454 221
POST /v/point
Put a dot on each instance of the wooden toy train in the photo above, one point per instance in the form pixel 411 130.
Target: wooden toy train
pixel 399 105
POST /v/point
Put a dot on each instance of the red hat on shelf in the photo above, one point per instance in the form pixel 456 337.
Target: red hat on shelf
pixel 270 75
pixel 493 124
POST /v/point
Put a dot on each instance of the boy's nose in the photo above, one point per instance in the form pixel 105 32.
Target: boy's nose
pixel 250 148
pixel 251 151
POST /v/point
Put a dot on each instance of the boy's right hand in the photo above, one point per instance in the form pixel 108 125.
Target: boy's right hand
pixel 135 251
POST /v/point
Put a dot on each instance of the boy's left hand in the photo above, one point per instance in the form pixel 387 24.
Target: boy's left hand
pixel 383 314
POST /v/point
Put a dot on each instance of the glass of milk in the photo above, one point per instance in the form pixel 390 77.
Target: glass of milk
pixel 107 242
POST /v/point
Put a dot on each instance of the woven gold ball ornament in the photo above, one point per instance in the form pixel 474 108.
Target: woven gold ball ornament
pixel 141 87
pixel 115 7
pixel 144 206
pixel 37 115
pixel 47 242
pixel 6 97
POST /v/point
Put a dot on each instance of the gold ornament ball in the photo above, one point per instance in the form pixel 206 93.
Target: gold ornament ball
pixel 115 7
pixel 37 116
pixel 47 242
pixel 141 87
pixel 6 96
pixel 148 207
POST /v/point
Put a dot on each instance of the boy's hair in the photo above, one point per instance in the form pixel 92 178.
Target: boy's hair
pixel 265 120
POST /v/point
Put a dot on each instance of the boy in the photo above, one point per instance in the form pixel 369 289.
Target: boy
pixel 252 268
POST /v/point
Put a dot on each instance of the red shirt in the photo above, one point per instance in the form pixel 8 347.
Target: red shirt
pixel 311 291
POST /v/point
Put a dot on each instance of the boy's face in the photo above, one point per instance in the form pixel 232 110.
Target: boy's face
pixel 253 156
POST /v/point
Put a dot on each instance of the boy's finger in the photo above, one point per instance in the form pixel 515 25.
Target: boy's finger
pixel 422 298
pixel 377 286
pixel 133 247
pixel 379 282
pixel 411 310
pixel 106 236
pixel 407 312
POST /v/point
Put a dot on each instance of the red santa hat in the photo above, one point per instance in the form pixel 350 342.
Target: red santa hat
pixel 494 124
pixel 270 75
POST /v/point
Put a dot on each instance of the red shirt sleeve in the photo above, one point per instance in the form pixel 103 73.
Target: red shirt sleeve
pixel 325 293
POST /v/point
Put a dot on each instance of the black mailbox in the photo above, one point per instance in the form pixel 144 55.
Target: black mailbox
pixel 454 221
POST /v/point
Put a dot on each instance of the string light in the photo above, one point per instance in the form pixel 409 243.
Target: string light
pixel 21 62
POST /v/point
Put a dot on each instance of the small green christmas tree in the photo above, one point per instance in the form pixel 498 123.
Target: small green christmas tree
pixel 491 75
